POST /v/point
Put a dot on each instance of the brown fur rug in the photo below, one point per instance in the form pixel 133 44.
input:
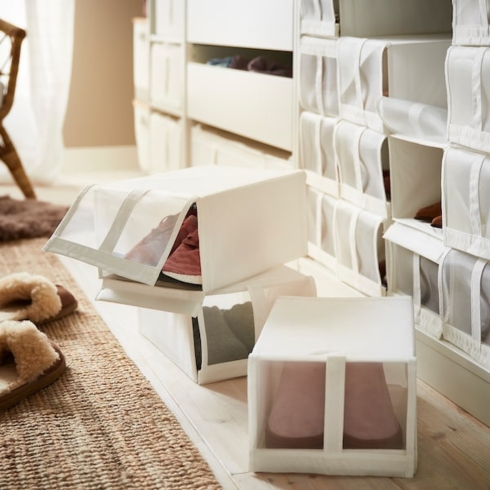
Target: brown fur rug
pixel 28 218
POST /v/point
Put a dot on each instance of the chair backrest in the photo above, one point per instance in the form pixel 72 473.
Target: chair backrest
pixel 11 38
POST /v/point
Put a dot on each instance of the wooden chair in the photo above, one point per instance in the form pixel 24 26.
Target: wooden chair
pixel 9 68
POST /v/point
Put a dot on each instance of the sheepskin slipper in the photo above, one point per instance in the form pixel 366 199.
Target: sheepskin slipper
pixel 29 362
pixel 33 297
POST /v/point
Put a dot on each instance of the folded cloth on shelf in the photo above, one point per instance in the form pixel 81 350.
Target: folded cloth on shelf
pixel 269 66
pixel 235 61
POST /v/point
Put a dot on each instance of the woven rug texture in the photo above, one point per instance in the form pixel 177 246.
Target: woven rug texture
pixel 101 425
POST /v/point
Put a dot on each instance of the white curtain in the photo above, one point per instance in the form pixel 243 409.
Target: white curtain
pixel 35 122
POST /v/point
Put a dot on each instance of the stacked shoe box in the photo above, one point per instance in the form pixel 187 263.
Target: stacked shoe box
pixel 351 56
pixel 201 251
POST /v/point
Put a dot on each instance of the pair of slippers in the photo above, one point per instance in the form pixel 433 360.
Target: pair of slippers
pixel 29 361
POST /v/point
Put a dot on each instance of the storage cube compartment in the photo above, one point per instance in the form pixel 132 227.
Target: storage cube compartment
pixel 318 89
pixel 465 304
pixel 209 337
pixel 413 259
pixel 215 95
pixel 468 82
pixel 141 59
pixel 316 152
pixel 403 67
pixel 166 143
pixel 471 22
pixel 466 201
pixel 166 77
pixel 233 223
pixel 363 163
pixel 142 134
pixel 261 24
pixel 168 19
pixel 319 376
pixel 415 176
pixel 210 146
pixel 358 18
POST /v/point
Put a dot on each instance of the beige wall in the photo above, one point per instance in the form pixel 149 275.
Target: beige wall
pixel 99 111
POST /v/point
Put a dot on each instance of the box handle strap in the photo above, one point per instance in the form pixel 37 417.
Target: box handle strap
pixel 474 195
pixel 476 276
pixel 477 83
pixel 334 404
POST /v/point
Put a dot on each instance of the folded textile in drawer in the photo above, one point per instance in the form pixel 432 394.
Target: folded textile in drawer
pixel 316 152
pixel 402 67
pixel 358 18
pixel 466 201
pixel 471 22
pixel 332 388
pixel 318 89
pixel 363 163
pixel 412 263
pixel 209 225
pixel 209 337
pixel 465 304
pixel 468 81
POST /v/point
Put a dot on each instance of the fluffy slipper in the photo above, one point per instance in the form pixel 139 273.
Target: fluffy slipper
pixel 29 361
pixel 33 297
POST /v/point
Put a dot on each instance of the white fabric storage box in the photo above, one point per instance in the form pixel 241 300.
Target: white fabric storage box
pixel 249 221
pixel 331 18
pixel 318 90
pixel 168 19
pixel 320 374
pixel 316 152
pixel 468 82
pixel 403 67
pixel 466 201
pixel 141 59
pixel 471 22
pixel 166 76
pixel 142 134
pixel 465 304
pixel 363 161
pixel 413 259
pixel 415 180
pixel 209 337
pixel 166 142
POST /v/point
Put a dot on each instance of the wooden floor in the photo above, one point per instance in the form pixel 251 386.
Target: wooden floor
pixel 453 447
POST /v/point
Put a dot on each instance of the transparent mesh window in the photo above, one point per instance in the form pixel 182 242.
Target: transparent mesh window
pixel 313 198
pixel 343 248
pixel 429 284
pixel 485 306
pixel 368 242
pixel 403 270
pixel 374 75
pixel 468 12
pixel 346 147
pixel 308 125
pixel 372 169
pixel 329 87
pixel 308 73
pixel 484 197
pixel 327 148
pixel 296 397
pixel 375 405
pixel 328 231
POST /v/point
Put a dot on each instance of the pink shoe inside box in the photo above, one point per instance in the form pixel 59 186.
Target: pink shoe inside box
pixel 248 221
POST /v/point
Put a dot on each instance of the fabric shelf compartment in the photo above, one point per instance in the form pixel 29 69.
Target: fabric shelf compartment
pixel 413 260
pixel 468 80
pixel 310 404
pixel 166 77
pixel 471 22
pixel 168 19
pixel 141 113
pixel 166 143
pixel 141 59
pixel 403 67
pixel 358 18
pixel 466 201
pixel 249 221
pixel 208 336
pixel 465 304
pixel 363 161
pixel 316 152
pixel 318 89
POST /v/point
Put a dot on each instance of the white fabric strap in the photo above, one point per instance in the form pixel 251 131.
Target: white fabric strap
pixel 318 84
pixel 317 145
pixel 443 289
pixel 416 281
pixel 476 275
pixel 334 404
pixel 353 240
pixel 358 82
pixel 474 196
pixel 477 88
pixel 358 163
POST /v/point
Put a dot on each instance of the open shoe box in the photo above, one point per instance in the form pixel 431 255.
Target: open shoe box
pixel 331 18
pixel 403 67
pixel 413 259
pixel 315 355
pixel 208 336
pixel 466 201
pixel 249 221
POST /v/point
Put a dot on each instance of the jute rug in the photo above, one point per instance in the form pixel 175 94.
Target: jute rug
pixel 101 425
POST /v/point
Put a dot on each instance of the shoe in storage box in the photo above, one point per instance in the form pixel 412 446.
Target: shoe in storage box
pixel 249 221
